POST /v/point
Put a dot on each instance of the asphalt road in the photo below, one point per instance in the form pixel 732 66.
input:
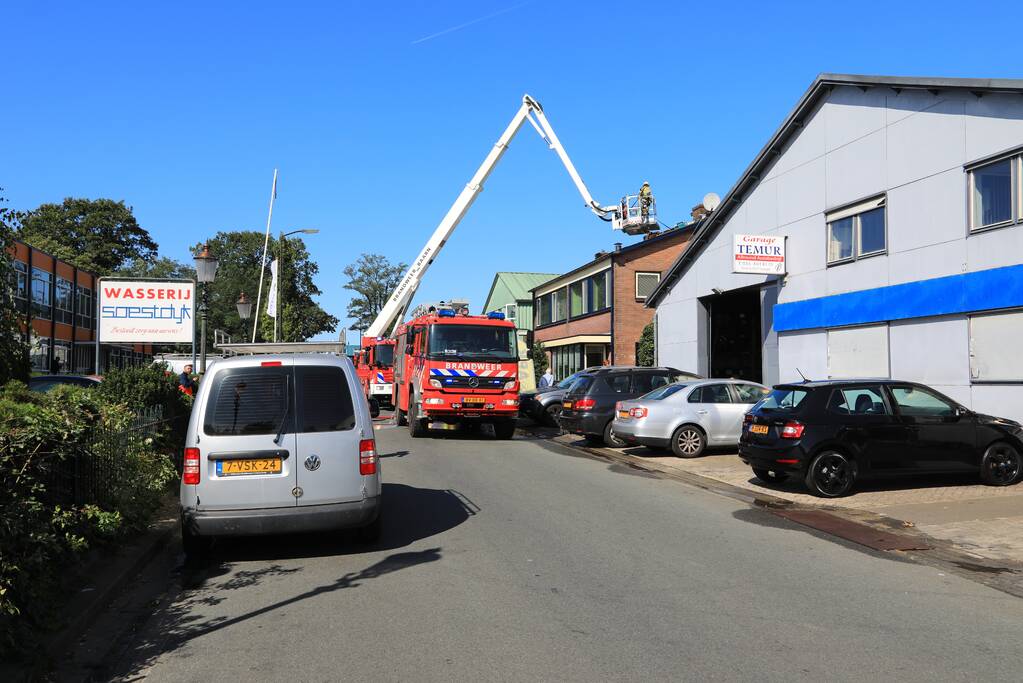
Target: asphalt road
pixel 524 561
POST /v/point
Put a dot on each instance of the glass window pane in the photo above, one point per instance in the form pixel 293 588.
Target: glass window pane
pixel 560 305
pixel 577 301
pixel 992 193
pixel 858 401
pixel 750 393
pixel 247 401
pixel 840 239
pixel 696 395
pixel 324 400
pixel 598 291
pixel 917 402
pixel 872 231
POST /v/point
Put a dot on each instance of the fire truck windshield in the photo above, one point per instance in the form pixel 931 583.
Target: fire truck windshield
pixel 472 341
pixel 384 355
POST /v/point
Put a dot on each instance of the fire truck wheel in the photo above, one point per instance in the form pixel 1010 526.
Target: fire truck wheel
pixel 400 418
pixel 504 430
pixel 416 427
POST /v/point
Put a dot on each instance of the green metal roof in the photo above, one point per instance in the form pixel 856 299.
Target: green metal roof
pixel 509 287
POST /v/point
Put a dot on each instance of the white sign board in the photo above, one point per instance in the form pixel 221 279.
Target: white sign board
pixel 146 311
pixel 762 254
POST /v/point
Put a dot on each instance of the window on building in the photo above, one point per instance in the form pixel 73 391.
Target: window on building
pixel 600 291
pixel 577 298
pixel 858 352
pixel 566 360
pixel 991 193
pixel 560 305
pixel 544 312
pixel 857 231
pixel 511 312
pixel 85 359
pixel 42 293
pixel 62 356
pixel 595 355
pixel 19 286
pixel 63 301
pixel 83 309
pixel 645 284
pixel 39 353
pixel 993 356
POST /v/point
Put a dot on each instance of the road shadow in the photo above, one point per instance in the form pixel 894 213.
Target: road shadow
pixel 410 514
pixel 886 483
pixel 395 454
pixel 182 620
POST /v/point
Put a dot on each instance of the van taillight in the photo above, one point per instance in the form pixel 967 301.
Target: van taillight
pixel 190 472
pixel 367 456
pixel 585 404
pixel 792 430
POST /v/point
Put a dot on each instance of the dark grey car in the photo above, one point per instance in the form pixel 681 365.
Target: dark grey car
pixel 544 405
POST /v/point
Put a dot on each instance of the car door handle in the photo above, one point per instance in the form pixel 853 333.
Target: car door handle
pixel 701 412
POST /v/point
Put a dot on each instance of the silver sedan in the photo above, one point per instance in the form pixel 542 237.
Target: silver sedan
pixel 687 417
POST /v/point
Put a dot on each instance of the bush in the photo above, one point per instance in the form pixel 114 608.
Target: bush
pixel 539 358
pixel 43 529
pixel 146 387
pixel 645 349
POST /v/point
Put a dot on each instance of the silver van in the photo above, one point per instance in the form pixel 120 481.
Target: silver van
pixel 279 444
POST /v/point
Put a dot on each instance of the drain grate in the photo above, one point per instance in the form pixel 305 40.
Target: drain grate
pixel 851 531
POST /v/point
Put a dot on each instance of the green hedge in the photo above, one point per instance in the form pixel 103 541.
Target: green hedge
pixel 41 532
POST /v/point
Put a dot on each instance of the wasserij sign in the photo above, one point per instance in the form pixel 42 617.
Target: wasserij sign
pixel 146 311
pixel 759 254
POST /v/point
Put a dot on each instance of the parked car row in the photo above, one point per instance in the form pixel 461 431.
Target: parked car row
pixel 828 434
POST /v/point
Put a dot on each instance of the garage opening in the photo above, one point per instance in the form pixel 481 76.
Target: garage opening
pixel 735 335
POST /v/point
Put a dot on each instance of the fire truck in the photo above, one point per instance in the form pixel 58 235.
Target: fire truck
pixel 418 368
pixel 374 364
pixel 456 369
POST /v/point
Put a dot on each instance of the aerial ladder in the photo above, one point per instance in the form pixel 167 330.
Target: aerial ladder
pixel 634 215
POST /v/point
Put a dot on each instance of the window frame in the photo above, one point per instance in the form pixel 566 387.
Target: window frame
pixel 61 314
pixel 39 308
pixel 640 297
pixel 1015 159
pixel 855 210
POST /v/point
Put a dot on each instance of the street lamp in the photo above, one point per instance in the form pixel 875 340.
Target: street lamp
pixel 244 307
pixel 205 272
pixel 280 274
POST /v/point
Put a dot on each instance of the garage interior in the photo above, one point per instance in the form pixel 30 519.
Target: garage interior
pixel 734 335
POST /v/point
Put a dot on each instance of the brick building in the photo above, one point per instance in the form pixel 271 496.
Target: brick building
pixel 57 305
pixel 595 314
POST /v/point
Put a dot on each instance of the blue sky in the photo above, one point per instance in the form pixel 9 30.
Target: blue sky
pixel 377 114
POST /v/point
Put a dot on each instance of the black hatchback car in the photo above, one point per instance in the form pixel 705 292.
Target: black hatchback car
pixel 832 432
pixel 588 407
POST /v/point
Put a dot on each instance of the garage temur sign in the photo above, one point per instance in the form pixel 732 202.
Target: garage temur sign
pixel 146 311
pixel 759 254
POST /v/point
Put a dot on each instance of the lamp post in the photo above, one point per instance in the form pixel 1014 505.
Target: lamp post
pixel 280 275
pixel 205 272
pixel 244 307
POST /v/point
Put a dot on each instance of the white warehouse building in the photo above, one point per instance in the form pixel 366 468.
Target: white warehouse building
pixel 896 206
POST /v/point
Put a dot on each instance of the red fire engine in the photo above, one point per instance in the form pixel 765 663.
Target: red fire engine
pixel 456 369
pixel 374 364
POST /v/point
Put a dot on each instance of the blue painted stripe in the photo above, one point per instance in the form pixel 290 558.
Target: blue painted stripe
pixel 978 291
pixel 436 371
pixel 471 373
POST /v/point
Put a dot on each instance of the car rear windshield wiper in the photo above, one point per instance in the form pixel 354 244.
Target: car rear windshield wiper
pixel 287 407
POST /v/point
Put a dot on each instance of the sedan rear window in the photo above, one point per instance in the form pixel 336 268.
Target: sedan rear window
pixel 247 401
pixel 664 392
pixel 782 400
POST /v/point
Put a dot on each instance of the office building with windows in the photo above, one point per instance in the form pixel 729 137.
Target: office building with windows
pixel 595 314
pixel 897 205
pixel 57 305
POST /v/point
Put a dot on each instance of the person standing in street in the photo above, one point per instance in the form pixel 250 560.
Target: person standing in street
pixel 547 379
pixel 185 382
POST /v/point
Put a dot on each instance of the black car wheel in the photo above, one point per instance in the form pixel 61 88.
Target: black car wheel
pixel 1001 465
pixel 831 475
pixel 688 442
pixel 770 476
pixel 611 439
pixel 551 414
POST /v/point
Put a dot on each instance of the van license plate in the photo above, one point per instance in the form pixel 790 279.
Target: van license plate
pixel 759 429
pixel 230 468
pixel 473 399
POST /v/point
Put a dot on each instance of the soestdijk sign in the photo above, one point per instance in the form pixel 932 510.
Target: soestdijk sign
pixel 761 254
pixel 146 311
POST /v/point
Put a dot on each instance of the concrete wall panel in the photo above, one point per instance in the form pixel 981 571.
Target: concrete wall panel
pixel 929 211
pixel 862 274
pixel 926 143
pixel 805 248
pixel 992 123
pixel 931 350
pixel 801 192
pixel 997 399
pixel 806 146
pixel 804 286
pixel 807 351
pixel 994 248
pixel 939 260
pixel 851 114
pixel 856 170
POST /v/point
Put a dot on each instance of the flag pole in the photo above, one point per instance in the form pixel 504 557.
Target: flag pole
pixel 262 263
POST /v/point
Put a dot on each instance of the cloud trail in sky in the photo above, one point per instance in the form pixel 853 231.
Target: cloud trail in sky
pixel 459 27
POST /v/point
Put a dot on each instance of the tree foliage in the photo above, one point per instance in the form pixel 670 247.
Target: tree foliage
pixel 539 358
pixel 645 351
pixel 240 256
pixel 161 268
pixel 14 361
pixel 373 279
pixel 97 235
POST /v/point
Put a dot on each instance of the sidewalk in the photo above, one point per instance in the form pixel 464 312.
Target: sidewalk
pixel 983 521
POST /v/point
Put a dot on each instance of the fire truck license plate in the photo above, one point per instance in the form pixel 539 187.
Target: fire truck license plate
pixel 473 399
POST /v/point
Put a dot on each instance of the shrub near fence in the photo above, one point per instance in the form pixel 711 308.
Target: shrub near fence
pixel 74 469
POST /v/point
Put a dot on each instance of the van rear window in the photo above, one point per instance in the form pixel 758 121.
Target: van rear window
pixel 247 401
pixel 324 399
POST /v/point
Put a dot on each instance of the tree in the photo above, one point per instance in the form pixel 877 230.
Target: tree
pixel 14 361
pixel 373 279
pixel 162 268
pixel 240 255
pixel 645 350
pixel 539 358
pixel 97 235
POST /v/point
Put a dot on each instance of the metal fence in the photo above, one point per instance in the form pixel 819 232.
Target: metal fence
pixel 98 471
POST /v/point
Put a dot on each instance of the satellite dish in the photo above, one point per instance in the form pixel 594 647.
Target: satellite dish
pixel 711 201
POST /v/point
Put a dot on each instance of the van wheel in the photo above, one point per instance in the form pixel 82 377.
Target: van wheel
pixel 197 548
pixel 416 427
pixel 504 430
pixel 370 534
pixel 830 475
pixel 1001 465
pixel 611 439
pixel 688 442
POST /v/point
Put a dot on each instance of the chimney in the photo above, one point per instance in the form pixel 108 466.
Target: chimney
pixel 698 212
pixel 618 246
